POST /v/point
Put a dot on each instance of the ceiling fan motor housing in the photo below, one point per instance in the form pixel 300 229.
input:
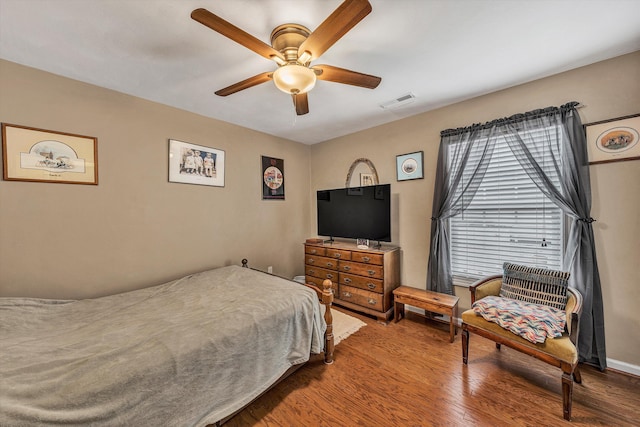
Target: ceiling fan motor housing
pixel 287 38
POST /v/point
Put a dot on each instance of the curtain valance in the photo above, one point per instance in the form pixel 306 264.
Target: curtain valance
pixel 515 119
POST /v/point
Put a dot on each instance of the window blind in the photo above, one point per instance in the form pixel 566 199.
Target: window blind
pixel 509 219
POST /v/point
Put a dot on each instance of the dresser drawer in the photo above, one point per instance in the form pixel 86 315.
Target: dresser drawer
pixel 321 261
pixel 367 258
pixel 339 253
pixel 361 297
pixel 315 250
pixel 359 269
pixel 318 282
pixel 368 284
pixel 321 273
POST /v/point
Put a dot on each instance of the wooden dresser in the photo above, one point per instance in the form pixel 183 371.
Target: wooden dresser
pixel 363 279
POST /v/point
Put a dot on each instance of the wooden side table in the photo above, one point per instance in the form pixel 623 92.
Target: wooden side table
pixel 427 300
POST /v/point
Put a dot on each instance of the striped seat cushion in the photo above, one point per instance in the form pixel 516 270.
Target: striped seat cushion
pixel 535 285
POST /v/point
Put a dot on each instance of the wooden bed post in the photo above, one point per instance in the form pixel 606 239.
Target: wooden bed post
pixel 327 300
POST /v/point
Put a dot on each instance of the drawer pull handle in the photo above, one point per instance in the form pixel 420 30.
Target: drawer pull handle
pixel 346 268
pixel 371 301
pixel 371 285
pixel 337 255
pixel 329 276
pixel 366 259
pixel 371 272
pixel 312 272
pixel 329 264
pixel 311 260
pixel 347 280
pixel 313 251
pixel 346 294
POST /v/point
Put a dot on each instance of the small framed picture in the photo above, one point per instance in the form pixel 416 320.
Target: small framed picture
pixel 272 178
pixel 613 140
pixel 195 164
pixel 40 155
pixel 366 179
pixel 362 243
pixel 409 166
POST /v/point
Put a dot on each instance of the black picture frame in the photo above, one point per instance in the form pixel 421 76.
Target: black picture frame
pixel 272 178
pixel 410 166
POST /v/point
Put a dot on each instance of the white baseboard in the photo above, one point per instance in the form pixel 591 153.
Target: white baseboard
pixel 623 367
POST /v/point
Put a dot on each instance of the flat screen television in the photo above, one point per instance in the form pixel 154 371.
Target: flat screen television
pixel 355 213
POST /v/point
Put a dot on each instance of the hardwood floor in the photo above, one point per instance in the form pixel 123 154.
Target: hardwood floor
pixel 409 374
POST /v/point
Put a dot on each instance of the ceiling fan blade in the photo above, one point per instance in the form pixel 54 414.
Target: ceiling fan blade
pixel 301 102
pixel 245 84
pixel 347 77
pixel 229 30
pixel 345 17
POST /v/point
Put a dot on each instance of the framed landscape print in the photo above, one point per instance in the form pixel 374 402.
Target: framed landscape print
pixel 409 166
pixel 272 178
pixel 613 140
pixel 40 155
pixel 195 164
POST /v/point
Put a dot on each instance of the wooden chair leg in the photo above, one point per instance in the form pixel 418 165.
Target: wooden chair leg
pixel 567 395
pixel 465 345
pixel 577 377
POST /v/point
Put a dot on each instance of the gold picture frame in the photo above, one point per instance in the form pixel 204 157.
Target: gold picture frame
pixel 39 155
pixel 613 140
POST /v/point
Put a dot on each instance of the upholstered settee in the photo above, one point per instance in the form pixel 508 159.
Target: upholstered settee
pixel 561 351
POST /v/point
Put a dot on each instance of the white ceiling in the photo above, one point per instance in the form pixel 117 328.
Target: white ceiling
pixel 443 51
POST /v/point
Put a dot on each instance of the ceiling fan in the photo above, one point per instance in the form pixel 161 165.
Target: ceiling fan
pixel 293 47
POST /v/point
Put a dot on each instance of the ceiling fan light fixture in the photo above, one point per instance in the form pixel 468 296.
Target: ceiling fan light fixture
pixel 294 79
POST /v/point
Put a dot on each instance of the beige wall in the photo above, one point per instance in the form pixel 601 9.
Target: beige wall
pixel 136 229
pixel 608 89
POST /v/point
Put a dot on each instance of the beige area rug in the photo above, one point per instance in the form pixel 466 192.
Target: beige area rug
pixel 344 325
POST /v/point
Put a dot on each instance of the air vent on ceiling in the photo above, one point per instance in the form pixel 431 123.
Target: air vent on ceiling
pixel 398 102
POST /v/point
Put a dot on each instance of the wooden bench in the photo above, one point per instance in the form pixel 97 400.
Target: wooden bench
pixel 434 302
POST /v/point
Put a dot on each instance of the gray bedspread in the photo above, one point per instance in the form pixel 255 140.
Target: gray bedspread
pixel 186 353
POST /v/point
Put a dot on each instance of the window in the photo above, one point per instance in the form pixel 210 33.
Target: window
pixel 509 219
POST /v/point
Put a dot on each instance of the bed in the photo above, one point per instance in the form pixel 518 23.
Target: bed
pixel 190 352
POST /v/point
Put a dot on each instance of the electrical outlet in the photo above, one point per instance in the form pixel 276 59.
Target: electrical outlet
pixel 270 269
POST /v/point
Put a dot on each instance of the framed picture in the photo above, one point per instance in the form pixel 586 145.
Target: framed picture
pixel 366 179
pixel 409 166
pixel 272 178
pixel 40 155
pixel 613 140
pixel 195 164
pixel 362 243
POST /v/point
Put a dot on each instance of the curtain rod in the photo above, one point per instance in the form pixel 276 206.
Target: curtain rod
pixel 512 119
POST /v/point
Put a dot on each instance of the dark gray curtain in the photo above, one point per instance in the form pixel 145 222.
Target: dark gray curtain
pixel 563 159
pixel 457 180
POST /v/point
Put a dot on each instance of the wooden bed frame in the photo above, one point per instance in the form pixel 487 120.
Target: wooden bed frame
pixel 326 298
